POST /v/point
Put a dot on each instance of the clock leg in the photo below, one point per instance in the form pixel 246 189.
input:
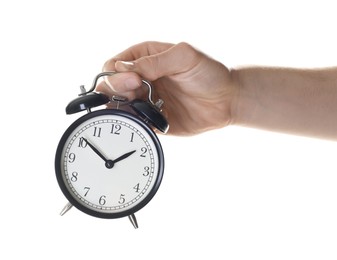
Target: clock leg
pixel 66 208
pixel 133 220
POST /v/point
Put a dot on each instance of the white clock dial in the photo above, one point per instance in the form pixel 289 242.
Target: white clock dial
pixel 110 163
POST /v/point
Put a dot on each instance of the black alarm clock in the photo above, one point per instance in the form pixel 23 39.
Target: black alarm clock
pixel 109 163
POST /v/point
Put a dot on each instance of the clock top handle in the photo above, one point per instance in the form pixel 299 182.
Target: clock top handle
pixel 148 110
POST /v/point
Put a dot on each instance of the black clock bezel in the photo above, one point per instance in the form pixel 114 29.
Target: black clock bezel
pixel 63 185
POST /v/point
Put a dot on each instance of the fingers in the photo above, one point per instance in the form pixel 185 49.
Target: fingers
pixel 153 60
pixel 122 84
pixel 125 83
pixel 135 52
pixel 143 49
pixel 150 61
pixel 177 59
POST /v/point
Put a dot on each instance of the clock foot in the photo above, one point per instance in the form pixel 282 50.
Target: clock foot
pixel 133 220
pixel 66 208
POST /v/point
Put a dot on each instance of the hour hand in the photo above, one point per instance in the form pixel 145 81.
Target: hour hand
pixel 124 156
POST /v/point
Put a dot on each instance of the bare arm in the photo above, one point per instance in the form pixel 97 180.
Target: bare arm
pixel 201 93
pixel 295 101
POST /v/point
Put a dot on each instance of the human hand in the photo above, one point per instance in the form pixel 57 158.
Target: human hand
pixel 198 91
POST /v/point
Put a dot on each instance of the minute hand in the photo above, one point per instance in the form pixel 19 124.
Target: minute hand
pixel 95 150
pixel 124 156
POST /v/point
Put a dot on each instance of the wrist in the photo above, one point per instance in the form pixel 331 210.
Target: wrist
pixel 242 105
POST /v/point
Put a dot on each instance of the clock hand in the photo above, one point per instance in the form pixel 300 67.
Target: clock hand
pixel 124 156
pixel 108 163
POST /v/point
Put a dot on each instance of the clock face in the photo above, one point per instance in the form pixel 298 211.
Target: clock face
pixel 109 163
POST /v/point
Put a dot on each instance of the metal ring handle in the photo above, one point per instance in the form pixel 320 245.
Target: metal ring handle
pixel 93 86
pixel 111 73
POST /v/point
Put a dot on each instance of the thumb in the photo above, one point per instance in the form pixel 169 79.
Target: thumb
pixel 179 58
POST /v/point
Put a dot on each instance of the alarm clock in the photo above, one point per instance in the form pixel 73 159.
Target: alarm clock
pixel 109 163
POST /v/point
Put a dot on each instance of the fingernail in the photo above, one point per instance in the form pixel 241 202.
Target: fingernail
pixel 124 65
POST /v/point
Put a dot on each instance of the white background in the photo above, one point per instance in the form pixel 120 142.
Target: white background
pixel 233 193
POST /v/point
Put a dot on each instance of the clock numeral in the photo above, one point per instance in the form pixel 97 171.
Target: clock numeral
pixel 102 200
pixel 74 176
pixel 86 191
pixel 82 143
pixel 121 199
pixel 136 188
pixel 144 151
pixel 132 135
pixel 115 129
pixel 71 157
pixel 146 171
pixel 97 131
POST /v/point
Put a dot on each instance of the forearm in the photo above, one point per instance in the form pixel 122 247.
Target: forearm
pixel 294 101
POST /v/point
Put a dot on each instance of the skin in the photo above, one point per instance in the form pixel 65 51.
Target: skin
pixel 202 94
